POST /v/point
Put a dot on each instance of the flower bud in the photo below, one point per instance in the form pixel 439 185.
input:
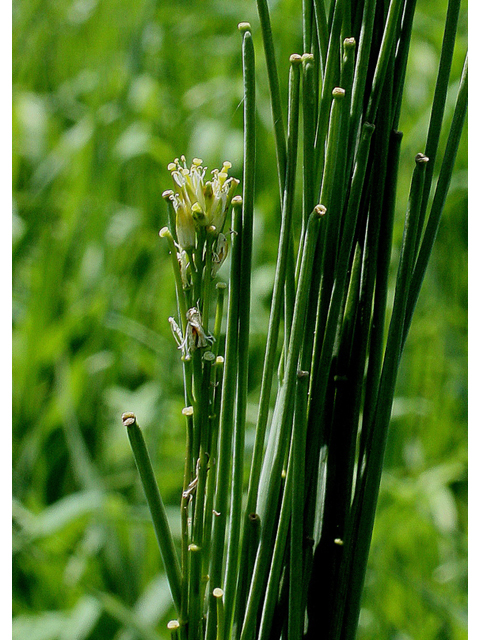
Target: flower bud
pixel 197 202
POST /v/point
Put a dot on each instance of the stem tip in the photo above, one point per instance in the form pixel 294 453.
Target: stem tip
pixel 128 419
pixel 244 26
pixel 420 158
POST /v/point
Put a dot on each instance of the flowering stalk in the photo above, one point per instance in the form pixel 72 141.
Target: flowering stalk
pixel 289 555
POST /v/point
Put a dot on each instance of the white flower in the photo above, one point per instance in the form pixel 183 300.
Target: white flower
pixel 195 335
pixel 198 202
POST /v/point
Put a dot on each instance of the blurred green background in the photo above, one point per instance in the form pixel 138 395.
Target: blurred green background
pixel 105 94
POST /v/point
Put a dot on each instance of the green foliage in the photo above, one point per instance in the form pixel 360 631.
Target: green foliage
pixel 105 94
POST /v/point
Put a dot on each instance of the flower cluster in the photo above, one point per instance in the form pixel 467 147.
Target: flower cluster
pixel 199 203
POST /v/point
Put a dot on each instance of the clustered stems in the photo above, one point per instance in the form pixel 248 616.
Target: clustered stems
pixel 287 557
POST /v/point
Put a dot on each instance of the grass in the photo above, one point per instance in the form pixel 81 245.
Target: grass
pixel 103 100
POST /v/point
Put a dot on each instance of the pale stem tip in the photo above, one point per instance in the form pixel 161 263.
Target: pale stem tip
pixel 421 158
pixel 164 232
pixel 128 419
pixel 308 57
pixel 244 26
pixel 302 374
pixel 173 624
pixel 187 411
pixel 237 201
pixel 349 43
pixel 295 58
pixel 167 195
pixel 217 592
pixel 320 210
pixel 338 92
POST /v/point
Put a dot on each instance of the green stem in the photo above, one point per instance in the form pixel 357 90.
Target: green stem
pixel 386 48
pixel 401 58
pixel 381 284
pixel 233 548
pixel 156 506
pixel 309 118
pixel 226 421
pixel 295 605
pixel 346 81
pixel 331 78
pixel 207 277
pixel 307 9
pixel 278 127
pixel 212 451
pixel 439 197
pixel 181 300
pixel 270 352
pixel 289 194
pixel 185 538
pixel 326 255
pixel 377 432
pixel 322 30
pixel 265 549
pixel 439 99
pixel 218 594
pixel 361 70
pixel 271 595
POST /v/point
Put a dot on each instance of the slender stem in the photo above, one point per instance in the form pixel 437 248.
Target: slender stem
pixel 322 29
pixel 196 548
pixel 346 82
pixel 381 284
pixel 233 548
pixel 278 126
pixel 185 537
pixel 271 595
pixel 167 196
pixel 386 49
pixel 368 496
pixel 401 58
pixel 309 118
pixel 361 70
pixel 331 78
pixel 270 352
pixel 439 197
pixel 327 254
pixel 218 594
pixel 295 605
pixel 265 549
pixel 207 277
pixel 288 196
pixel 439 99
pixel 212 451
pixel 156 506
pixel 226 422
pixel 181 300
pixel 307 9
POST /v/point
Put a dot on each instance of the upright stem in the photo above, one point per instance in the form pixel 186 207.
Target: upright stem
pixel 278 126
pixel 378 430
pixel 156 506
pixel 265 550
pixel 223 481
pixel 232 560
